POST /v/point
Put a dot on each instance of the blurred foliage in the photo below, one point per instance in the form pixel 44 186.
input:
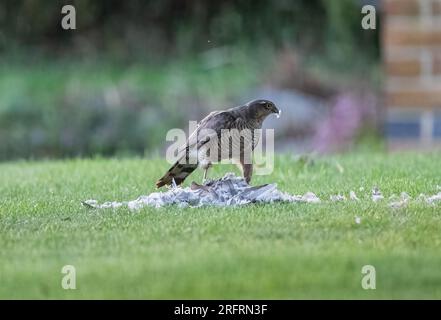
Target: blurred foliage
pixel 74 109
pixel 158 29
pixel 123 78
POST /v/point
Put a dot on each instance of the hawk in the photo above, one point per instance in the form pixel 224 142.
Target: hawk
pixel 221 129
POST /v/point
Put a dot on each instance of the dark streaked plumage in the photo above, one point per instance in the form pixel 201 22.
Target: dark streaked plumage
pixel 195 153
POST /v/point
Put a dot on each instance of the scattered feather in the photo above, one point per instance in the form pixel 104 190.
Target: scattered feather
pixel 401 202
pixel 376 195
pixel 231 190
pixel 434 198
pixel 353 196
pixel 227 191
pixel 337 197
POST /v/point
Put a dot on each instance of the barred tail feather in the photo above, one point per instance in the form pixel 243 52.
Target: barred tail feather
pixel 179 172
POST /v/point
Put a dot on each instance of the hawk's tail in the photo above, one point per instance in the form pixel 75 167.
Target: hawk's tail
pixel 179 172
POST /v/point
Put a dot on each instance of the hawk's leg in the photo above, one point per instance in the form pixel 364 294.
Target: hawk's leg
pixel 247 172
pixel 205 173
pixel 206 167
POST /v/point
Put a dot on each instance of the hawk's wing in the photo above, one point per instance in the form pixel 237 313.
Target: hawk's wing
pixel 208 128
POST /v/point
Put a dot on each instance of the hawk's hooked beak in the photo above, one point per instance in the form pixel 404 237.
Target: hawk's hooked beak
pixel 277 111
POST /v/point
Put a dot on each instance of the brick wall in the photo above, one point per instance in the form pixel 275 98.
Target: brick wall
pixel 412 58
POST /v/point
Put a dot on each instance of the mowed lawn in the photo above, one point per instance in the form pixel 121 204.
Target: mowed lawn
pixel 280 251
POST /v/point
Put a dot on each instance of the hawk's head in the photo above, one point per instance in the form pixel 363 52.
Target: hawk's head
pixel 260 109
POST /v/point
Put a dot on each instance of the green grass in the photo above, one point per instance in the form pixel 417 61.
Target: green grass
pixel 260 251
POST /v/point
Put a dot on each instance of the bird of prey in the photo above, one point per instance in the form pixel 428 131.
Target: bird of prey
pixel 210 135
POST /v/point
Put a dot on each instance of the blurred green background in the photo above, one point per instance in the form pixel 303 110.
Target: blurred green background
pixel 132 70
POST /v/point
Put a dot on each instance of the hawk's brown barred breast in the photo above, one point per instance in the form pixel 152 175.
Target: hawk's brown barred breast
pixel 236 143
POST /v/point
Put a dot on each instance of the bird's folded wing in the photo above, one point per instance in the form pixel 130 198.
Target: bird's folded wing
pixel 201 135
